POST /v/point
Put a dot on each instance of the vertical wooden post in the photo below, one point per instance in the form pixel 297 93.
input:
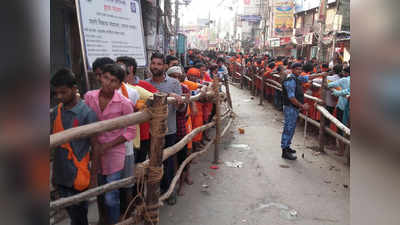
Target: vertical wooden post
pixel 262 89
pixel 322 119
pixel 158 129
pixel 217 120
pixel 253 82
pixel 241 72
pixel 228 93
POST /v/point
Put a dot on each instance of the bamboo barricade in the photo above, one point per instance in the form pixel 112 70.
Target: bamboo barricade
pixel 333 119
pixel 139 170
pixel 218 120
pixel 107 125
pixel 148 173
pixel 319 104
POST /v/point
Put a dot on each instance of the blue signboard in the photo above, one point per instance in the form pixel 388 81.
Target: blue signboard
pixel 250 18
pixel 181 44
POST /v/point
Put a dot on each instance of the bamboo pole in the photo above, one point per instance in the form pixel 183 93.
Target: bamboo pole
pixel 217 120
pixel 274 82
pixel 172 100
pixel 65 202
pixel 334 120
pixel 262 90
pixel 168 152
pixel 273 86
pixel 158 129
pixel 322 119
pixel 327 129
pixel 97 127
pixel 247 77
pixel 128 221
pixel 318 100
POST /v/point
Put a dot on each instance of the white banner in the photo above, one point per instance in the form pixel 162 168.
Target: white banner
pixel 112 28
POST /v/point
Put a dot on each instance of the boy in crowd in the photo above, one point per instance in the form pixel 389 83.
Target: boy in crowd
pixel 72 157
pixel 171 61
pixel 131 77
pixel 107 103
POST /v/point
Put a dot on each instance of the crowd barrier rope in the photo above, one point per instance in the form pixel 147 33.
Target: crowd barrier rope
pixel 149 173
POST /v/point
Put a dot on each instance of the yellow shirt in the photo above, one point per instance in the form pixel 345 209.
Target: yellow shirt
pixel 143 96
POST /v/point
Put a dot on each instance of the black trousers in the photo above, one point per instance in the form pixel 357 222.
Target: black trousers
pixel 169 164
pixel 141 154
pixel 78 212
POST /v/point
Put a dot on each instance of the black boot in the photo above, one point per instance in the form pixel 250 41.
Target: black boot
pixel 292 150
pixel 286 154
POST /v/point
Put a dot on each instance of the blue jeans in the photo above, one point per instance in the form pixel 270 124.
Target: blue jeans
pixel 78 212
pixel 291 113
pixel 111 199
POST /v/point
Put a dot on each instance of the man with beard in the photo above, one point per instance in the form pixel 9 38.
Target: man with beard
pixel 172 87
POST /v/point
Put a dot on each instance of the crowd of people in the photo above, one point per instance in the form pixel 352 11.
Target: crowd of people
pixel 298 77
pixel 112 155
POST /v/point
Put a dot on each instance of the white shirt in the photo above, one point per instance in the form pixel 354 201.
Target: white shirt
pixel 133 95
pixel 329 99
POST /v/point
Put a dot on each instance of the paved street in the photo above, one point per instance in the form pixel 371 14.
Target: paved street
pixel 267 189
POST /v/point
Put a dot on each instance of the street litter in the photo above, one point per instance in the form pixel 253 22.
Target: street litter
pixel 241 130
pixel 293 212
pixel 235 164
pixel 247 100
pixel 214 167
pixel 272 204
pixel 290 215
pixel 316 153
pixel 284 166
pixel 241 146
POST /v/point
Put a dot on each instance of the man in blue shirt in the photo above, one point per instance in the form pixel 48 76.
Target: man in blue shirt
pixel 293 101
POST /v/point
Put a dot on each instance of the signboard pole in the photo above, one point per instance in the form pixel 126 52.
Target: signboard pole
pixel 322 10
pixel 83 47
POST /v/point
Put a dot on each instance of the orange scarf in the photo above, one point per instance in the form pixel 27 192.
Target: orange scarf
pixel 124 91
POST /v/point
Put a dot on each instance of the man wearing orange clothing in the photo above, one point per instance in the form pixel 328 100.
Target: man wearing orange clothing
pixel 184 127
pixel 268 75
pixel 193 75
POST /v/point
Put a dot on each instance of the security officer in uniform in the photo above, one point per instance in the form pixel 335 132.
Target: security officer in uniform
pixel 293 102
